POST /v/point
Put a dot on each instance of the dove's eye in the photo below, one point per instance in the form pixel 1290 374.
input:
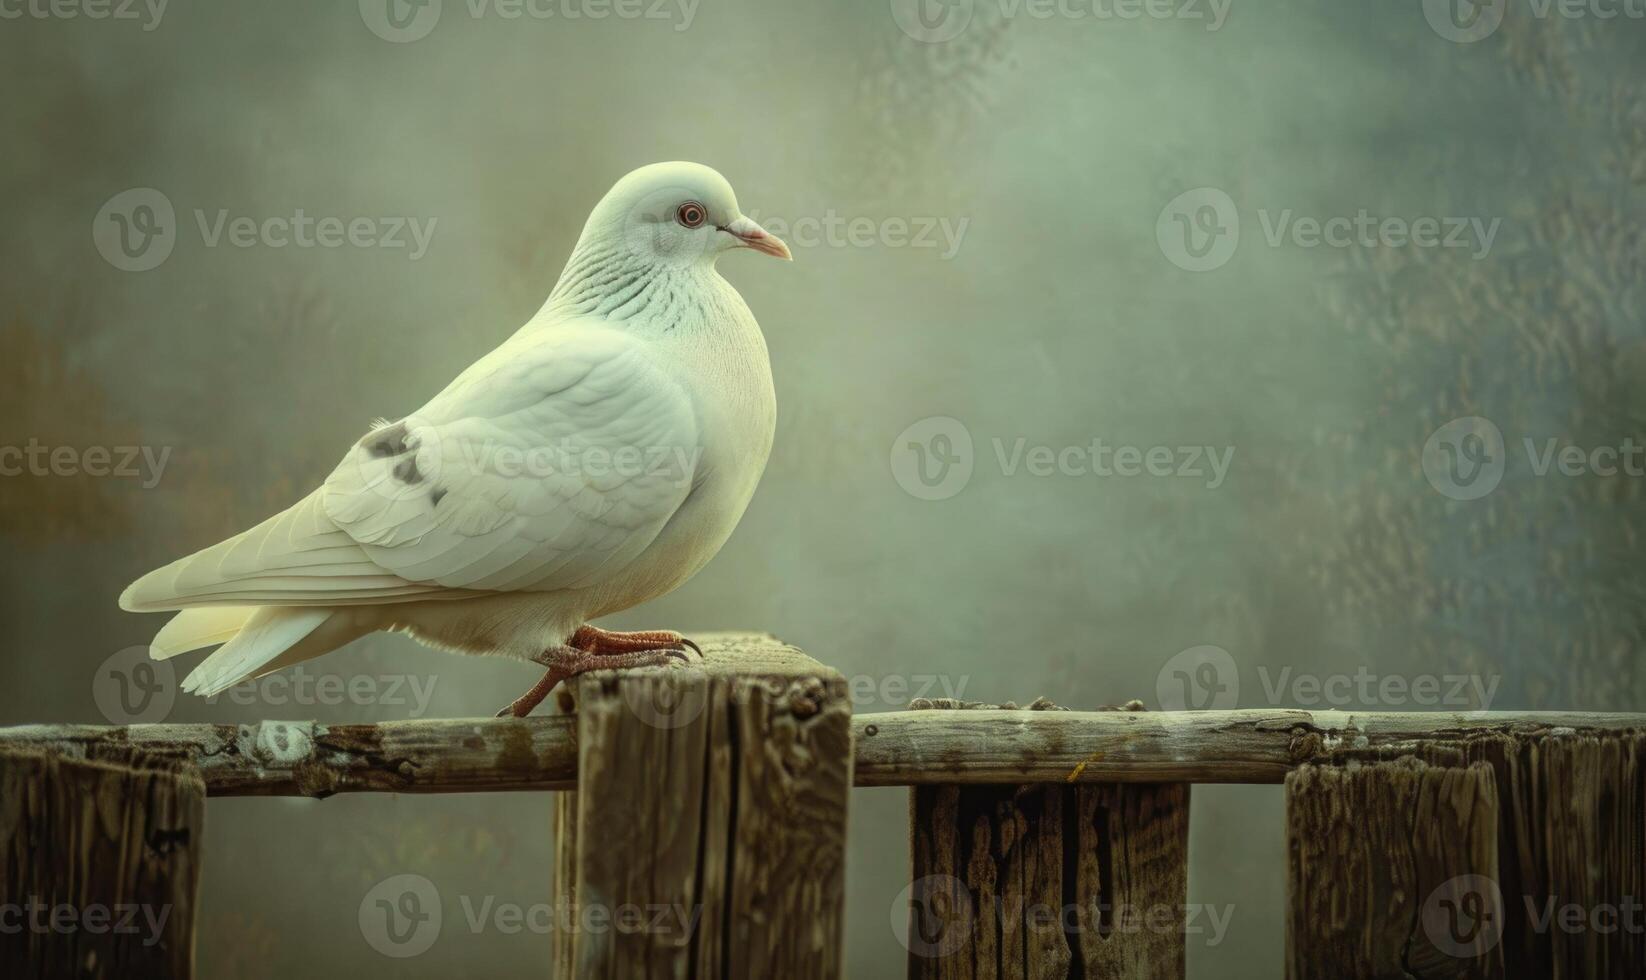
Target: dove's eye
pixel 692 214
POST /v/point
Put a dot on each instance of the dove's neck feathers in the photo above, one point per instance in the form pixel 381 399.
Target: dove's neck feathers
pixel 605 279
pixel 690 314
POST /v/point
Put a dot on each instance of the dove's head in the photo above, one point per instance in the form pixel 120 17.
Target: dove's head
pixel 675 215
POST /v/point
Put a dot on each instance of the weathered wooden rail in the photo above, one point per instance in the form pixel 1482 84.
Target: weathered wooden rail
pixel 898 748
pixel 1045 843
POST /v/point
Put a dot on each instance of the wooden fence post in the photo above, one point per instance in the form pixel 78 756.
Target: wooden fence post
pixel 1572 850
pixel 99 865
pixel 711 817
pixel 563 889
pixel 1048 880
pixel 1571 845
pixel 1392 872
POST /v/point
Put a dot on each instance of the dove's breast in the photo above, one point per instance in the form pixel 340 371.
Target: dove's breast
pixel 723 365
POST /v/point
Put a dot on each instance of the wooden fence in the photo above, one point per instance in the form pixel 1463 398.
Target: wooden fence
pixel 1045 843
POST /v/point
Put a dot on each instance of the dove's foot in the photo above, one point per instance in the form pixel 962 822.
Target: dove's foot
pixel 569 661
pixel 593 639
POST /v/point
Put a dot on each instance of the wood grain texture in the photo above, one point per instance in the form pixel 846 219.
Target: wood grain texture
pixel 1042 881
pixel 1571 848
pixel 1572 854
pixel 101 858
pixel 902 748
pixel 1134 849
pixel 712 809
pixel 1392 871
pixel 563 884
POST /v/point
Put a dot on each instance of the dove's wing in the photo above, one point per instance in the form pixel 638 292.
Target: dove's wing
pixel 548 468
pixel 550 464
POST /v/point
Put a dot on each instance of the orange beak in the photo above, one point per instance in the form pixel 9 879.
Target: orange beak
pixel 753 236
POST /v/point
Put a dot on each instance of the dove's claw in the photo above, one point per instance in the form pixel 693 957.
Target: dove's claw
pixel 569 661
pixel 592 639
pixel 592 648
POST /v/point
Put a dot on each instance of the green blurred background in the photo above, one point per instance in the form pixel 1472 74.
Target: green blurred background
pixel 1064 314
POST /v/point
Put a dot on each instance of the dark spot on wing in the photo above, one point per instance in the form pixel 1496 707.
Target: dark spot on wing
pixel 388 441
pixel 406 471
pixel 436 495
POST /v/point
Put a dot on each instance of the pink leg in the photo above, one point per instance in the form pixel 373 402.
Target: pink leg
pixel 570 661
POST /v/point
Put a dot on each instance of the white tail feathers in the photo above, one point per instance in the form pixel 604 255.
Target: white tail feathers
pixel 268 633
pixel 192 629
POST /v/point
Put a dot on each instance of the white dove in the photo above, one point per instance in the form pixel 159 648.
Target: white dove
pixel 598 458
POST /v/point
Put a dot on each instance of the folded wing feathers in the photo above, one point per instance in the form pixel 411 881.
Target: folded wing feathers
pixel 424 510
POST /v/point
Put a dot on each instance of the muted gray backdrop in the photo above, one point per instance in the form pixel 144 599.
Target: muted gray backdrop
pixel 987 213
